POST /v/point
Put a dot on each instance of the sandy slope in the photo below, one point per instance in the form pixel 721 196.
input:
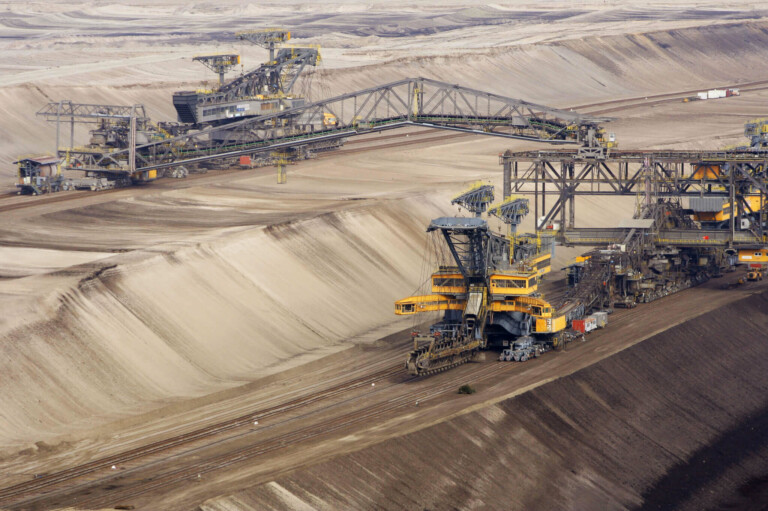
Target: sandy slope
pixel 267 295
pixel 642 427
pixel 155 295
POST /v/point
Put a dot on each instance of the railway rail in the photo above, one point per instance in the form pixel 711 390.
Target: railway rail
pixel 669 96
pixel 650 102
pixel 160 472
pixel 49 483
pixel 128 488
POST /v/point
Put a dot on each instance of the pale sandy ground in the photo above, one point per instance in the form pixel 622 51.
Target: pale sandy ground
pixel 119 304
pixel 112 53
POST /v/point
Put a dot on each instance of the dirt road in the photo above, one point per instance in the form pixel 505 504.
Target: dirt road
pixel 379 406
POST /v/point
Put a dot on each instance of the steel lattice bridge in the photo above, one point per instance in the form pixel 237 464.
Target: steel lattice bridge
pixel 409 102
pixel 708 179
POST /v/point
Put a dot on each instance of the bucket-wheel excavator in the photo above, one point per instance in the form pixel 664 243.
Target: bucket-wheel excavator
pixel 264 90
pixel 488 292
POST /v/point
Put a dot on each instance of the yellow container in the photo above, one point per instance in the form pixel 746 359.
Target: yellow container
pixel 550 325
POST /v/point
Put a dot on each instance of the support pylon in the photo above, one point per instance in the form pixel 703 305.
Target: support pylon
pixel 281 160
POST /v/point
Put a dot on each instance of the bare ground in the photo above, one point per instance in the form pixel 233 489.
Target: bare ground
pixel 678 421
pixel 145 311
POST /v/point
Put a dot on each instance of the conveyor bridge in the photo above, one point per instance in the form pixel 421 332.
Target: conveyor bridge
pixel 409 102
pixel 673 237
pixel 737 177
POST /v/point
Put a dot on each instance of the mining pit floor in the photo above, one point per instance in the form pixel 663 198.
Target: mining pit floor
pixel 225 343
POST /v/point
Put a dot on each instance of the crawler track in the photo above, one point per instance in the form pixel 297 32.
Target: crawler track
pixel 440 369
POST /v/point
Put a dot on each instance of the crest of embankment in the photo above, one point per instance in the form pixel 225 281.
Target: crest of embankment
pixel 92 343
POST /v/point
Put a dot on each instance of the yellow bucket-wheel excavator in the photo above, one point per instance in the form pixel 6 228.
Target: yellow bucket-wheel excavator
pixel 487 291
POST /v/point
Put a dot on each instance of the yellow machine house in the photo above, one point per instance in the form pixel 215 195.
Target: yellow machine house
pixel 489 295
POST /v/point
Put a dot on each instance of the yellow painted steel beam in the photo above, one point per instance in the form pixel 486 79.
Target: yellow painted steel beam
pixel 427 303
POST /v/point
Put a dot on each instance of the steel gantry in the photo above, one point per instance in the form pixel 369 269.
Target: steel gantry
pixel 711 180
pixel 117 126
pixel 416 101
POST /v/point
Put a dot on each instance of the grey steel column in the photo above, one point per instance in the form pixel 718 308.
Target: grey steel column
pixel 732 194
pixel 507 182
pixel 572 211
pixel 132 148
pixel 58 128
pixel 536 198
pixel 563 200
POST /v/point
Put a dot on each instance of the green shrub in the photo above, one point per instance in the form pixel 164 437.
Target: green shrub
pixel 466 389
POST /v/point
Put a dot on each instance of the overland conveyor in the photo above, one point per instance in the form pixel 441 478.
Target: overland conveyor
pixel 675 237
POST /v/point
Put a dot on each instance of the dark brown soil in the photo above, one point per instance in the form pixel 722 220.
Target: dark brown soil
pixel 679 421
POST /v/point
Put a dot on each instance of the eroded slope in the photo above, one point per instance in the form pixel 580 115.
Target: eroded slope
pixel 677 421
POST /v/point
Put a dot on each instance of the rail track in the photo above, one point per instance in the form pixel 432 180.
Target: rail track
pixel 161 466
pixel 49 483
pixel 651 100
pixel 441 138
pixel 11 201
pixel 380 136
pixel 641 100
pixel 118 490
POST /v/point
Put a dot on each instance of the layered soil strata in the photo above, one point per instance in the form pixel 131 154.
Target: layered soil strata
pixel 115 308
pixel 679 421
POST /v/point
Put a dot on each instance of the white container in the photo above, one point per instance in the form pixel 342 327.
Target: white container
pixel 601 317
pixel 702 95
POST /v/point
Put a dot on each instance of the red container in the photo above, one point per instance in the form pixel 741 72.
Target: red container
pixel 245 161
pixel 579 325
